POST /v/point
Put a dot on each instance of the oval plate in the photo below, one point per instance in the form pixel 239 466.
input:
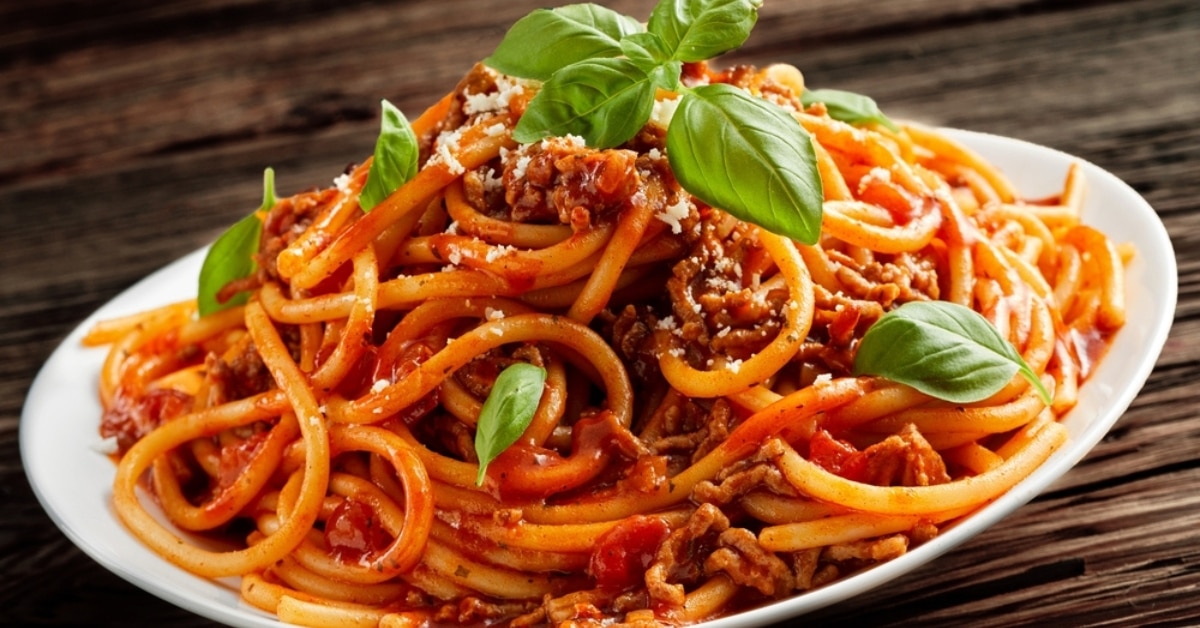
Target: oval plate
pixel 73 481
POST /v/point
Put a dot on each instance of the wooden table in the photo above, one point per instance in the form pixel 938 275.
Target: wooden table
pixel 132 133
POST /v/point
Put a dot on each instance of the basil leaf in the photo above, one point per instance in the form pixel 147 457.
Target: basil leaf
pixel 395 161
pixel 546 40
pixel 232 255
pixel 649 53
pixel 748 157
pixel 942 349
pixel 645 50
pixel 604 101
pixel 697 30
pixel 848 107
pixel 507 411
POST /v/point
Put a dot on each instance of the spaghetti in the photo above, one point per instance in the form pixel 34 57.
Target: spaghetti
pixel 700 445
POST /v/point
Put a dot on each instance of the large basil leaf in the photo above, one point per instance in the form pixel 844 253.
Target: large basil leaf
pixel 604 101
pixel 395 160
pixel 748 157
pixel 702 29
pixel 942 349
pixel 546 40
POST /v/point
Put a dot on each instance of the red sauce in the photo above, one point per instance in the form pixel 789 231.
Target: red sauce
pixel 622 554
pixel 237 456
pixel 392 364
pixel 900 203
pixel 130 417
pixel 1090 345
pixel 836 456
pixel 352 532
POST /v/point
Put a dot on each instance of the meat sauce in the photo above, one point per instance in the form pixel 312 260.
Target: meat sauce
pixel 352 532
pixel 130 417
pixel 622 554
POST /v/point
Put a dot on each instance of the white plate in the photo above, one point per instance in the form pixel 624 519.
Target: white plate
pixel 74 482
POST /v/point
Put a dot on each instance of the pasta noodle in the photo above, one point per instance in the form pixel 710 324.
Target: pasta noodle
pixel 701 444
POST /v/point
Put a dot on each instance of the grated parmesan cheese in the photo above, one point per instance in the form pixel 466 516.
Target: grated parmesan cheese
pixel 342 183
pixel 446 146
pixel 663 111
pixel 877 173
pixel 496 252
pixel 491 182
pixel 507 88
pixel 675 214
pixel 522 163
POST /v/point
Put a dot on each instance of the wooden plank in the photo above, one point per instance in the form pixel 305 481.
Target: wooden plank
pixel 133 133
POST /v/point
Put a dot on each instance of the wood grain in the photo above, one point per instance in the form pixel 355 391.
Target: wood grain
pixel 132 133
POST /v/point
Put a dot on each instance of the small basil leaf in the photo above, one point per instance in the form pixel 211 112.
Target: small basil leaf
pixel 942 349
pixel 748 157
pixel 847 106
pixel 667 76
pixel 604 101
pixel 696 30
pixel 646 50
pixel 231 257
pixel 395 160
pixel 507 411
pixel 546 40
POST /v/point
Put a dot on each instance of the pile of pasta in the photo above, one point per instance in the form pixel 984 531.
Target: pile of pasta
pixel 700 447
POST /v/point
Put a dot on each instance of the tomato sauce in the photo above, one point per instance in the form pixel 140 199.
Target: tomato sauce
pixel 353 533
pixel 623 554
pixel 130 417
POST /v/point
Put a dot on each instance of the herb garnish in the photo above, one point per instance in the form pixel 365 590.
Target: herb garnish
pixel 395 160
pixel 942 349
pixel 848 107
pixel 727 148
pixel 231 257
pixel 507 411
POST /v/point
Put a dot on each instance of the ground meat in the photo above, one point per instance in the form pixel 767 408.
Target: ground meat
pixel 483 191
pixel 877 550
pixel 808 571
pixel 450 436
pixel 631 333
pixel 472 611
pixel 754 80
pixel 757 471
pixel 748 564
pixel 905 277
pixel 680 558
pixel 289 218
pixel 244 375
pixel 717 302
pixel 480 374
pixel 692 428
pixel 561 180
pixel 904 459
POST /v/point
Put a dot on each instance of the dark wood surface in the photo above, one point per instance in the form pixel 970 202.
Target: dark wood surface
pixel 133 132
